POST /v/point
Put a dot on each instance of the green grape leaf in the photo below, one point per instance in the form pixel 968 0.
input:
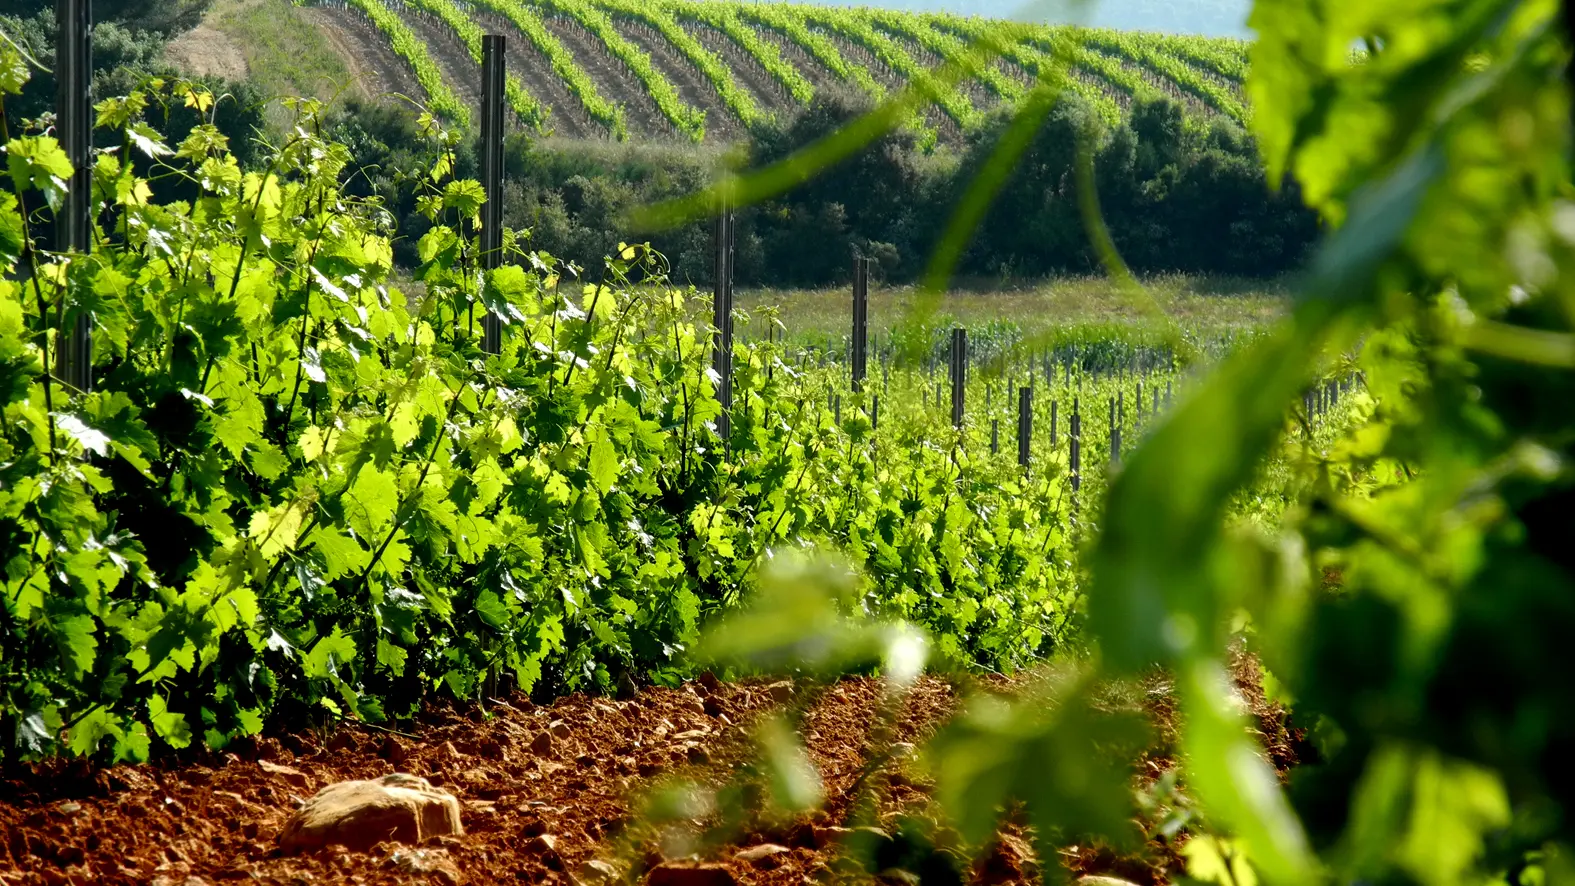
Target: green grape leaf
pixel 312 442
pixel 328 654
pixel 310 583
pixel 14 73
pixel 603 465
pixel 134 745
pixel 275 530
pixel 267 460
pixel 34 733
pixel 170 726
pixel 312 364
pixel 492 610
pixel 371 501
pixel 250 721
pixel 113 414
pixel 91 729
pixel 148 140
pixel 391 657
pixel 239 425
pixel 75 637
pixel 12 234
pixel 342 555
pixel 39 163
pixel 464 197
pixel 89 438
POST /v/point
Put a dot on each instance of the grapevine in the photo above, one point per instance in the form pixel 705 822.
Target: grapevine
pixel 1069 42
pixel 1227 58
pixel 855 26
pixel 821 49
pixel 825 51
pixel 1017 45
pixel 925 33
pixel 356 509
pixel 1144 51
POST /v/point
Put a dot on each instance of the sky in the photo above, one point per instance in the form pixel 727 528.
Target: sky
pixel 1214 18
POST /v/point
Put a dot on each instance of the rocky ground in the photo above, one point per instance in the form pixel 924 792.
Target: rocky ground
pixel 543 795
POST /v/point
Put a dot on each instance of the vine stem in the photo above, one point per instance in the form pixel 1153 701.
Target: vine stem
pixel 38 292
pixel 300 348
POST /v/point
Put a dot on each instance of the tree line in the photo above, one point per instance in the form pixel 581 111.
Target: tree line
pixel 1177 196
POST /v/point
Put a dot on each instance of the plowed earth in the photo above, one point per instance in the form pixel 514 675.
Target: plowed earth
pixel 568 771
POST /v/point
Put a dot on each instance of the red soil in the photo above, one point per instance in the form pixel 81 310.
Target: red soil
pixel 214 817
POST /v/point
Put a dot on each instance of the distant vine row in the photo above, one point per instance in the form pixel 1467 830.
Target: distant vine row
pixel 527 106
pixel 824 50
pixel 688 120
pixel 575 78
pixel 413 50
pixel 725 19
pixel 1147 53
pixel 856 26
pixel 1227 58
pixel 719 75
pixel 1016 43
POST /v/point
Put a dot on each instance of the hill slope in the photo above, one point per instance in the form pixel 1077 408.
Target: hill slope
pixel 705 70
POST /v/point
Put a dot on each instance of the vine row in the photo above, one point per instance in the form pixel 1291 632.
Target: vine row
pixel 527 106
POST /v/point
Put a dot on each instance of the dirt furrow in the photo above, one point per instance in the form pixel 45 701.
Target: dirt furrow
pixel 217 818
pixel 547 795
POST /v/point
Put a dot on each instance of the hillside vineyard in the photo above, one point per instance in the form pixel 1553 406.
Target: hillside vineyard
pixel 707 71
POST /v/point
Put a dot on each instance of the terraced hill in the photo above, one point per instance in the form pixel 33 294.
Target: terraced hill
pixel 704 70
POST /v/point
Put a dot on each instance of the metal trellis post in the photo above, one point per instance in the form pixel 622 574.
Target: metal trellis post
pixel 861 320
pixel 1077 445
pixel 722 305
pixel 1025 424
pixel 959 374
pixel 492 68
pixel 74 224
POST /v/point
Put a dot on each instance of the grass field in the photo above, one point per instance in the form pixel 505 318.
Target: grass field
pixel 286 53
pixel 1202 306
